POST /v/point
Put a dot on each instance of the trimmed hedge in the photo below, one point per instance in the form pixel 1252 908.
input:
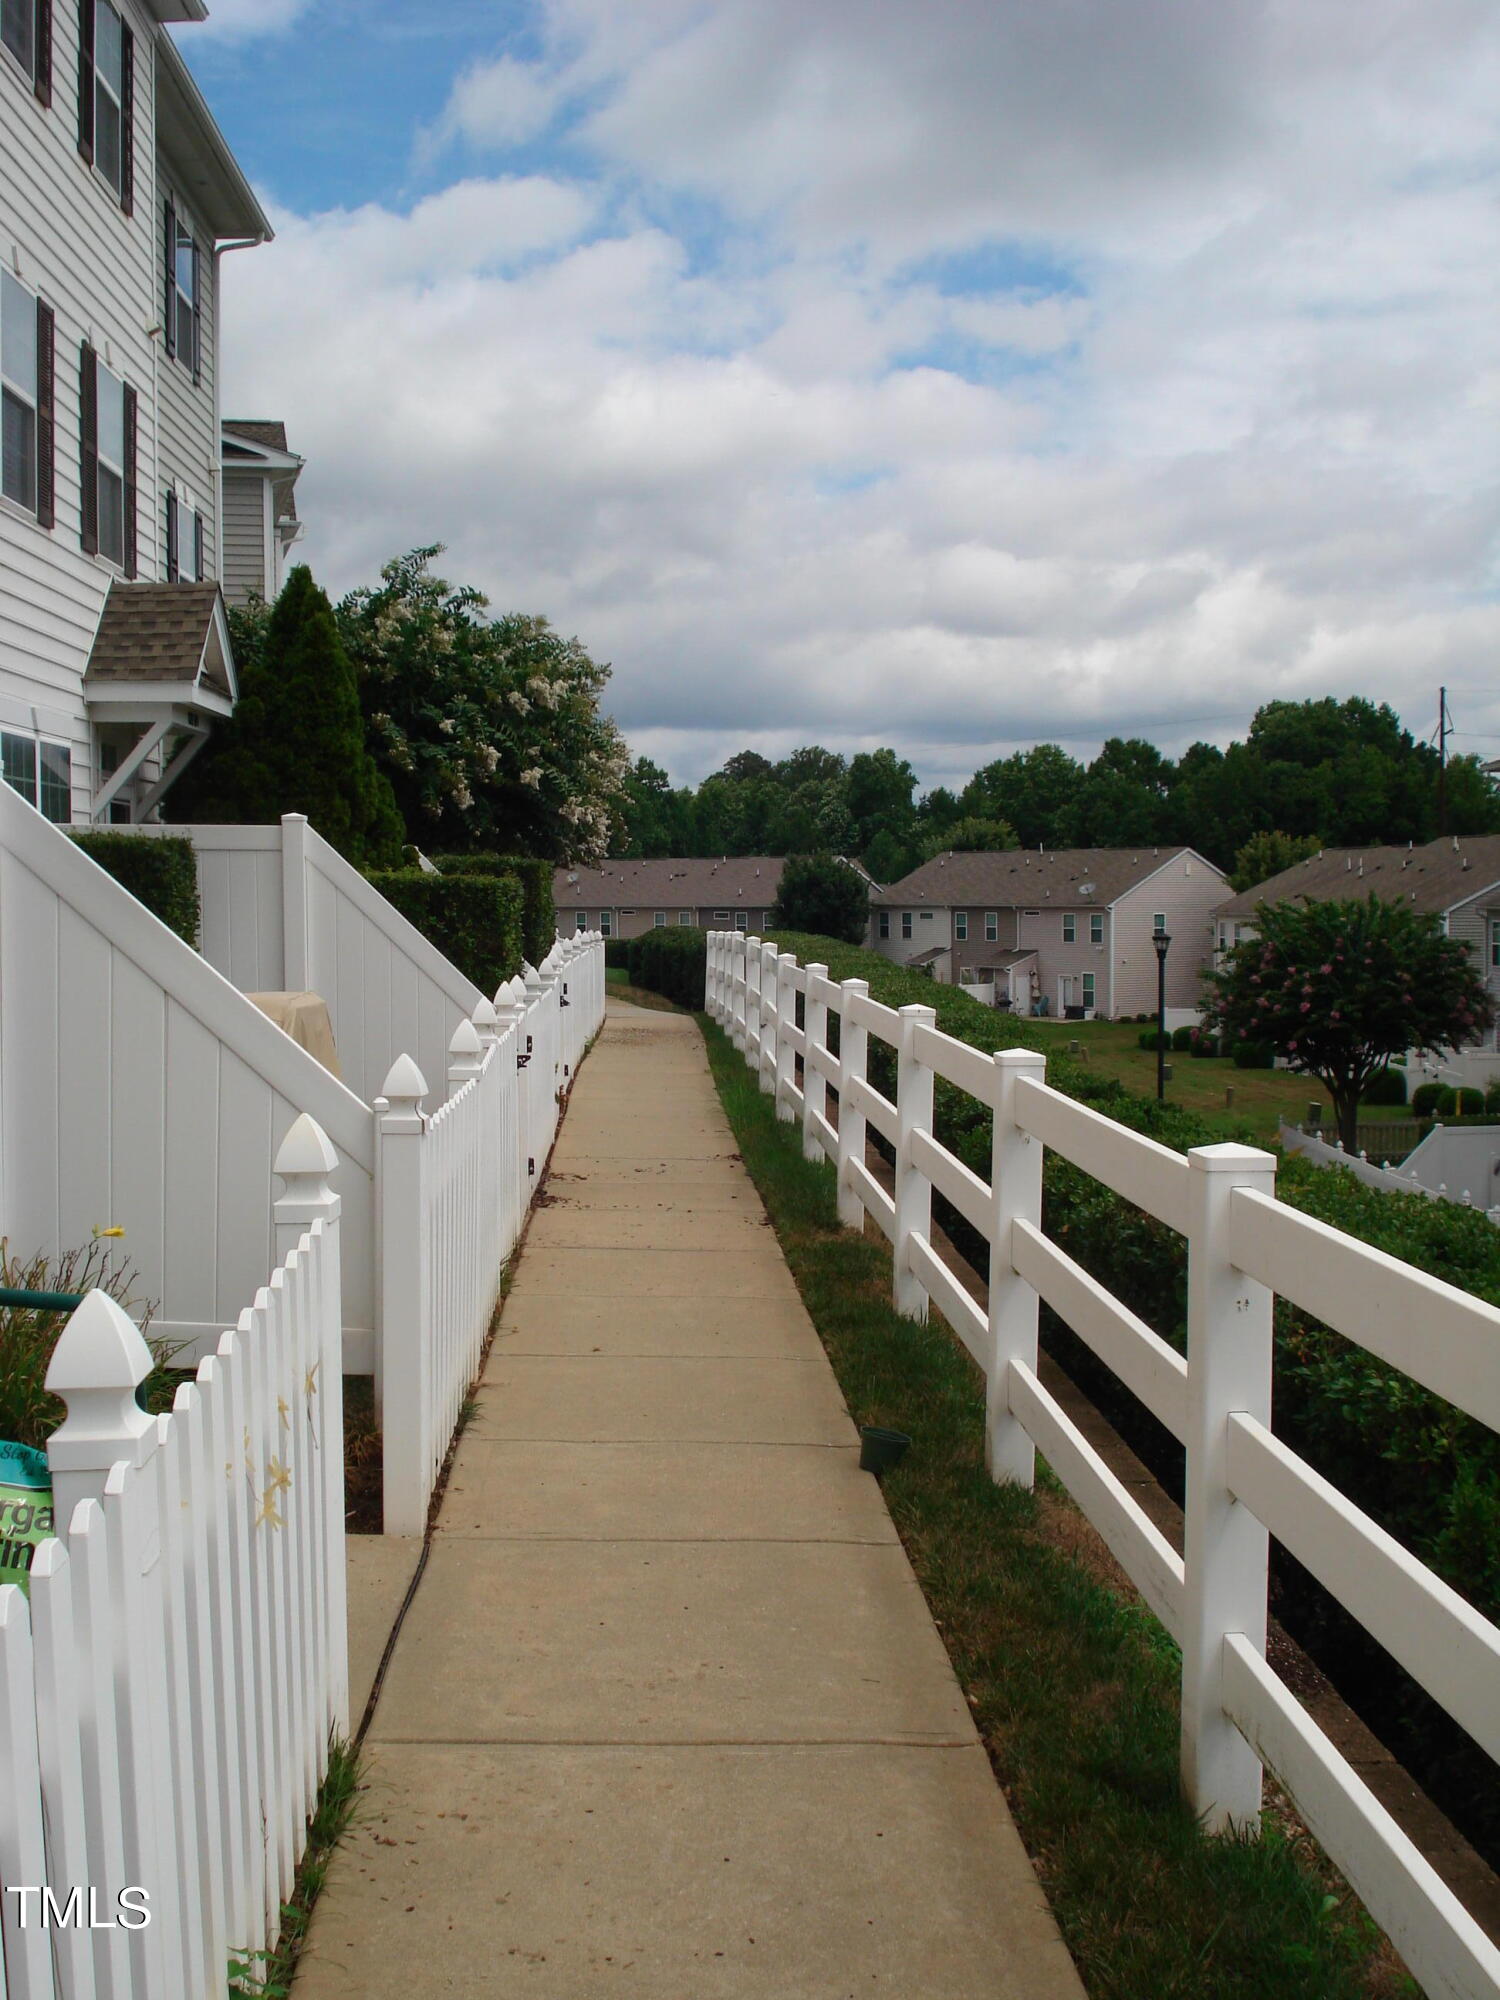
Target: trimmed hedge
pixel 617 951
pixel 672 961
pixel 539 913
pixel 162 874
pixel 1428 1475
pixel 1386 1086
pixel 474 920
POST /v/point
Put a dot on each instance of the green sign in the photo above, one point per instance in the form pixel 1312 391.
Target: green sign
pixel 25 1509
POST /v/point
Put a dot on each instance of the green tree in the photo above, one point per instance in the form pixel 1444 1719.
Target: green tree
pixel 296 740
pixel 1339 988
pixel 1034 791
pixel 823 894
pixel 1268 854
pixel 888 858
pixel 970 836
pixel 1125 800
pixel 878 795
pixel 654 819
pixel 490 729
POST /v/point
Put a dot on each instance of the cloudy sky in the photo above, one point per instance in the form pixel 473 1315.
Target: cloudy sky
pixel 952 375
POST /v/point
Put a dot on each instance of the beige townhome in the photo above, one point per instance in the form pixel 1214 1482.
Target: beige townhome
pixel 624 898
pixel 119 199
pixel 259 473
pixel 1068 933
pixel 1456 879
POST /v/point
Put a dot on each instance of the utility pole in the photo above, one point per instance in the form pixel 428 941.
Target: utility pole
pixel 1442 799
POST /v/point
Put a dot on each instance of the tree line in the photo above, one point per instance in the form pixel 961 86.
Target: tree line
pixel 1308 774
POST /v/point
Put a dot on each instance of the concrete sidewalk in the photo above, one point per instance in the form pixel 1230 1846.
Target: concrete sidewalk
pixel 669 1718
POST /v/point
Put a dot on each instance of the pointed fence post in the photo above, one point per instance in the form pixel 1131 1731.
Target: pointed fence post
pixel 815 1051
pixel 404 1328
pixel 1224 1547
pixel 305 1162
pixel 486 1021
pixel 1016 1191
pixel 98 1364
pixel 786 1021
pixel 854 1047
pixel 465 1056
pixel 914 1092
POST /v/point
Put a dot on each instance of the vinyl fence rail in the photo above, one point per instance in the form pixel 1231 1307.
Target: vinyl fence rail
pixel 454 1188
pixel 168 1694
pixel 1243 1484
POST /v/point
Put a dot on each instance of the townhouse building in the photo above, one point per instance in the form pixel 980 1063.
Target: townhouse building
pixel 119 199
pixel 1067 933
pixel 625 898
pixel 261 524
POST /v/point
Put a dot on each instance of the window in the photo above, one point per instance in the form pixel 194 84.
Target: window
pixel 580 920
pixel 108 437
pixel 741 921
pixel 991 927
pixel 1070 929
pixel 883 924
pixel 961 926
pixel 906 923
pixel 1159 924
pixel 26 390
pixel 684 916
pixel 659 920
pixel 184 541
pixel 721 916
pixel 1495 941
pixel 26 30
pixel 1096 928
pixel 1088 989
pixel 109 763
pixel 184 277
pixel 606 923
pixel 41 772
pixel 106 96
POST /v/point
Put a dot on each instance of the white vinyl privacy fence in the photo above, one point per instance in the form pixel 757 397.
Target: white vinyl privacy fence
pixel 168 1695
pixel 1243 1484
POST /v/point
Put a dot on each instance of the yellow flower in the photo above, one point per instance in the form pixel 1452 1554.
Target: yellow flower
pixel 114 1230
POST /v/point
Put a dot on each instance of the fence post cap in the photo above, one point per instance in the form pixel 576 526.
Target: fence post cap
pixel 100 1348
pixel 465 1042
pixel 820 970
pixel 1231 1159
pixel 294 819
pixel 306 1149
pixel 854 985
pixel 1020 1059
pixel 917 1012
pixel 485 1020
pixel 404 1083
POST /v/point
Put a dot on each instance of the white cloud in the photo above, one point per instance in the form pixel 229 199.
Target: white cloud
pixel 805 479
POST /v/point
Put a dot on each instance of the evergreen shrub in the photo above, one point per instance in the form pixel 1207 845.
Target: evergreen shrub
pixel 162 874
pixel 1386 1086
pixel 1424 1099
pixel 1254 1055
pixel 1182 1038
pixel 474 920
pixel 539 913
pixel 1153 1038
pixel 672 961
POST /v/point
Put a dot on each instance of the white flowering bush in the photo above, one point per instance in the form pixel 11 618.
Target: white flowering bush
pixel 489 729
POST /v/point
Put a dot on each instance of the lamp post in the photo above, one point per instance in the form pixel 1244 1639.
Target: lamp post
pixel 1161 942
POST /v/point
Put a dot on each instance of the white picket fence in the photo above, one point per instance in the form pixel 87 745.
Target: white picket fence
pixel 168 1696
pixel 1243 1484
pixel 454 1189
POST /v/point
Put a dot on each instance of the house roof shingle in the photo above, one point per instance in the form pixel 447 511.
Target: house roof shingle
pixel 1432 878
pixel 1084 877
pixel 158 632
pixel 749 881
pixel 259 430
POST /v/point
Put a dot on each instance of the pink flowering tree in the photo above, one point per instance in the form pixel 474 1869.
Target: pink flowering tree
pixel 1340 988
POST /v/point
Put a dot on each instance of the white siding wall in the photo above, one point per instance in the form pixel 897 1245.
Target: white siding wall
pixel 1188 891
pixel 189 427
pixel 244 566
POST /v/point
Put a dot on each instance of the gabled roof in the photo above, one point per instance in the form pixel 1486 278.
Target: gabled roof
pixel 1069 878
pixel 208 174
pixel 162 636
pixel 747 881
pixel 1434 878
pixel 267 431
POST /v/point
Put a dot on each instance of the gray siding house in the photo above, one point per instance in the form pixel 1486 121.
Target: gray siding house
pixel 261 524
pixel 1068 933
pixel 625 898
pixel 119 197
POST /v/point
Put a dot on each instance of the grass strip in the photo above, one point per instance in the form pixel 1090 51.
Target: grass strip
pixel 268 1975
pixel 1073 1688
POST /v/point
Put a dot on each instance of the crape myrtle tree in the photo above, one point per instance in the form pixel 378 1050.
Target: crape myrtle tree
pixel 490 730
pixel 821 893
pixel 1339 988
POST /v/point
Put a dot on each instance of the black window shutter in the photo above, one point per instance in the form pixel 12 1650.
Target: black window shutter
pixel 88 433
pixel 46 416
pixel 173 567
pixel 198 547
pixel 86 79
pixel 132 498
pixel 197 314
pixel 44 51
pixel 170 293
pixel 127 120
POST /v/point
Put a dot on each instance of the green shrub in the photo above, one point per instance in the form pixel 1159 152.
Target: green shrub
pixel 672 961
pixel 1153 1038
pixel 1182 1038
pixel 162 874
pixel 1424 1099
pixel 538 914
pixel 474 920
pixel 617 951
pixel 1467 1103
pixel 1202 1045
pixel 1387 1086
pixel 1492 1094
pixel 1254 1055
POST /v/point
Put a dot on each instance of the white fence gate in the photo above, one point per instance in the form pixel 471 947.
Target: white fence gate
pixel 168 1695
pixel 1243 1484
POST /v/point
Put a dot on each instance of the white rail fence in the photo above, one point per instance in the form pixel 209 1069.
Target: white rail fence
pixel 168 1696
pixel 1243 1484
